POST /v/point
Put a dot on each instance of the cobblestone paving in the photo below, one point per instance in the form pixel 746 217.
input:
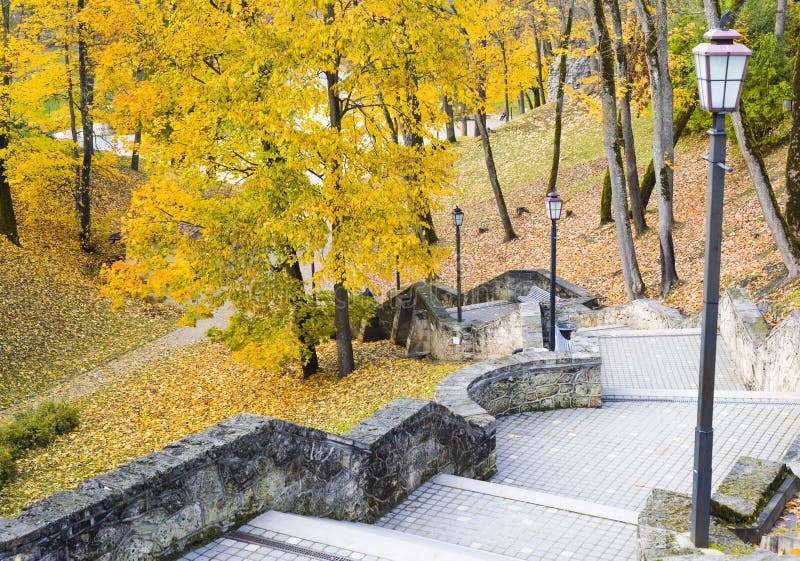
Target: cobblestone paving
pixel 512 528
pixel 660 362
pixel 587 453
pixel 225 549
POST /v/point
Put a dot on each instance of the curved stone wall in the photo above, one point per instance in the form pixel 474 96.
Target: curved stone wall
pixel 536 381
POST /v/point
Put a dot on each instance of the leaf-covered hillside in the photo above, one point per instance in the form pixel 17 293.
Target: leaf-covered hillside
pixel 587 252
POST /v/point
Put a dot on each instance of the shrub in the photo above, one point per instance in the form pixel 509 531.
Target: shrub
pixel 8 468
pixel 38 427
pixel 33 428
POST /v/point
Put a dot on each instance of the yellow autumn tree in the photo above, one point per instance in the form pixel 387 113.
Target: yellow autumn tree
pixel 267 149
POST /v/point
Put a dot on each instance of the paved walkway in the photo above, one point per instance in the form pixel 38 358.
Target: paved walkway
pixel 569 483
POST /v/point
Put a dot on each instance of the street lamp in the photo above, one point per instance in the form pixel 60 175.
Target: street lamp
pixel 721 67
pixel 553 204
pixel 458 220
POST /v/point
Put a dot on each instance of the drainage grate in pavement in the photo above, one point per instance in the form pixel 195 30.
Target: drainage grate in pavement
pixel 667 399
pixel 283 546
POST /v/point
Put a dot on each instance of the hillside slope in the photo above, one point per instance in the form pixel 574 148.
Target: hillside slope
pixel 587 252
pixel 54 323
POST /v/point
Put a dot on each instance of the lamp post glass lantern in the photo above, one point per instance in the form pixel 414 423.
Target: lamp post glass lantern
pixel 458 220
pixel 721 66
pixel 553 204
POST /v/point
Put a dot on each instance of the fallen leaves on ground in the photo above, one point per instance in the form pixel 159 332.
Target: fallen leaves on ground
pixel 197 386
pixel 587 252
pixel 56 324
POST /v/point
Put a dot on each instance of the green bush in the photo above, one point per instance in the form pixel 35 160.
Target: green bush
pixel 8 468
pixel 767 85
pixel 33 428
pixel 38 427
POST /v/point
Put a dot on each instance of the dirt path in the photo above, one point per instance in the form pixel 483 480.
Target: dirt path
pixel 106 373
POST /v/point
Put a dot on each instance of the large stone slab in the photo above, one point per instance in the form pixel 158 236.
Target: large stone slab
pixel 746 489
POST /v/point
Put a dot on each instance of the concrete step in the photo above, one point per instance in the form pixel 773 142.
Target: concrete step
pixel 530 496
pixel 365 541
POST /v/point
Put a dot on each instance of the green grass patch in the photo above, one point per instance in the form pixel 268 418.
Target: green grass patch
pixel 523 150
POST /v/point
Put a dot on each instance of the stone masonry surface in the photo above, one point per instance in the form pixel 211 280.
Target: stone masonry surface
pixel 605 459
pixel 766 359
pixel 207 483
pixel 530 381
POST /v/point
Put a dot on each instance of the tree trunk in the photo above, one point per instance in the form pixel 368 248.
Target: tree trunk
pixel 505 79
pixel 626 122
pixel 521 103
pixel 413 139
pixel 793 158
pixel 86 84
pixel 655 34
pixel 538 91
pixel 649 179
pixel 8 220
pixel 606 216
pixel 611 141
pixel 490 168
pixel 341 299
pixel 562 75
pixel 536 102
pixel 788 246
pixel 780 19
pixel 450 125
pixel 308 351
pixel 137 136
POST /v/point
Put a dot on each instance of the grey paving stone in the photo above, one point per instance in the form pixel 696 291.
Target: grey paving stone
pixel 660 362
pixel 225 549
pixel 617 454
pixel 507 527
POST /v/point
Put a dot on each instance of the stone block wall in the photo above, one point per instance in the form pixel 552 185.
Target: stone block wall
pixel 418 317
pixel 530 381
pixel 197 488
pixel 765 359
pixel 559 386
pixel 744 330
pixel 638 314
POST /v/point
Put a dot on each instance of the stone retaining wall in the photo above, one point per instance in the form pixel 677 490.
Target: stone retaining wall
pixel 535 381
pixel 765 359
pixel 638 314
pixel 664 523
pixel 197 488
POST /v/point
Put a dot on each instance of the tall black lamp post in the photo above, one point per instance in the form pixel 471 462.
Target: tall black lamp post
pixel 553 203
pixel 721 67
pixel 458 220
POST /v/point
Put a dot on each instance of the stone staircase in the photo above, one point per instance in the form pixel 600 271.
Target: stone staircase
pixel 570 483
pixel 448 518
